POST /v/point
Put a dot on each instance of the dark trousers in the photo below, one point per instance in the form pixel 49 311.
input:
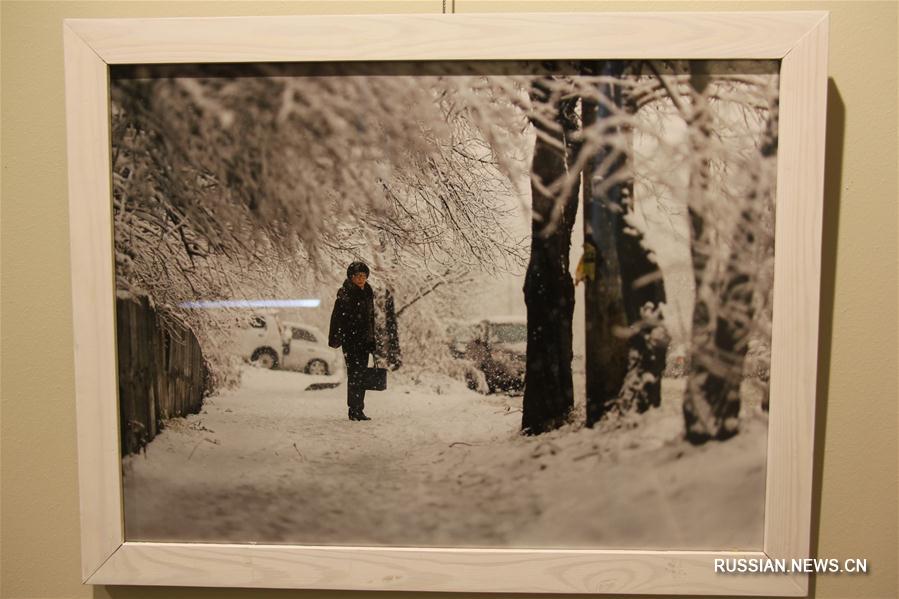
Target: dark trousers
pixel 356 363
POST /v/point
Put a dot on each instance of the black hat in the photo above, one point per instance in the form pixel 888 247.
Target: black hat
pixel 356 268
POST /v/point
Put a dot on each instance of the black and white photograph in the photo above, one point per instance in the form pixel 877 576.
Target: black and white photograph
pixel 510 304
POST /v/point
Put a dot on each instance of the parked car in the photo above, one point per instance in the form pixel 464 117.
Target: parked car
pixel 259 340
pixel 459 334
pixel 269 343
pixel 497 352
pixel 306 349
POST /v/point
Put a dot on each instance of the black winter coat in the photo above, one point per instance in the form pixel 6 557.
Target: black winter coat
pixel 353 319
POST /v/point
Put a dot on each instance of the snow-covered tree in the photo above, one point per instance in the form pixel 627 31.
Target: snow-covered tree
pixel 265 179
pixel 626 338
pixel 731 196
pixel 548 286
pixel 729 158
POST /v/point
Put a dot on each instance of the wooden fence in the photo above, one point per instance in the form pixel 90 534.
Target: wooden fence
pixel 162 373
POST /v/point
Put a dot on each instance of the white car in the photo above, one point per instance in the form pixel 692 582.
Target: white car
pixel 306 349
pixel 270 343
pixel 260 341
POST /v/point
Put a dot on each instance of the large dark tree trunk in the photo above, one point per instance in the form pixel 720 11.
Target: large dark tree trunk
pixel 548 287
pixel 643 291
pixel 725 283
pixel 626 339
pixel 606 347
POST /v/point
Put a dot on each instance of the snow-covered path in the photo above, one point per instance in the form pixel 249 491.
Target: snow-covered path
pixel 273 462
pixel 437 465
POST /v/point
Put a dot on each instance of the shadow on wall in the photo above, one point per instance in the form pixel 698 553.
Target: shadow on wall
pixel 833 176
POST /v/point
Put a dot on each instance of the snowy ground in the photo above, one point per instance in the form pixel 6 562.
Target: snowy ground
pixel 439 465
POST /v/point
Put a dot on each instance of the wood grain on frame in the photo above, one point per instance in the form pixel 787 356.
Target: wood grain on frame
pixel 460 570
pixel 798 38
pixel 797 281
pixel 93 302
pixel 444 37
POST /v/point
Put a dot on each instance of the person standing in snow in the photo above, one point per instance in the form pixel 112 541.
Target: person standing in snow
pixel 353 330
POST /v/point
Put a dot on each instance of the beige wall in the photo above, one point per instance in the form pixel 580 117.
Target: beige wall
pixel 856 467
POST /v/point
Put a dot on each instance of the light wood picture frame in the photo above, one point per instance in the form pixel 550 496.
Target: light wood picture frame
pixel 797 39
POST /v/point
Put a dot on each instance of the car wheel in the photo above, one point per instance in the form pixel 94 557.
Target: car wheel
pixel 317 367
pixel 265 357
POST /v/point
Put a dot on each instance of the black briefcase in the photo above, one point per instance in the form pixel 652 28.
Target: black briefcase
pixel 375 379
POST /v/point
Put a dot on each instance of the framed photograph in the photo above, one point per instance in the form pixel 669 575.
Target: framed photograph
pixel 464 303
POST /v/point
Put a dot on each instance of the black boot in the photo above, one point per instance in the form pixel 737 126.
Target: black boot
pixel 360 415
pixel 352 414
